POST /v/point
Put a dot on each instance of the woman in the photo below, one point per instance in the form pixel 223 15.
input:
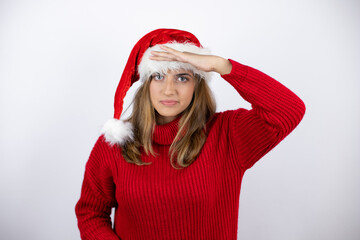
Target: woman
pixel 173 170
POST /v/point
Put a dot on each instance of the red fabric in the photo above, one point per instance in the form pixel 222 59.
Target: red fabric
pixel 202 200
pixel 130 74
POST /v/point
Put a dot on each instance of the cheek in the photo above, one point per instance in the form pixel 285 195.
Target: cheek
pixel 152 91
pixel 188 94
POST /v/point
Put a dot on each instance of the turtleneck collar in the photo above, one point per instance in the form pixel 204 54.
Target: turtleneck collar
pixel 165 134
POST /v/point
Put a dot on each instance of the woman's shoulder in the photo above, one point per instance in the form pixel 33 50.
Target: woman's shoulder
pixel 105 156
pixel 105 150
pixel 227 115
pixel 102 143
pixel 222 119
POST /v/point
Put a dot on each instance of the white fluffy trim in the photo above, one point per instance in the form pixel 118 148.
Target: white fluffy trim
pixel 117 131
pixel 148 66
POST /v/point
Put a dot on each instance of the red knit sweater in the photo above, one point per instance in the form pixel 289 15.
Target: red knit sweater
pixel 202 200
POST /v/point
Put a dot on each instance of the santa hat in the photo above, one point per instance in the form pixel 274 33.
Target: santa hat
pixel 139 67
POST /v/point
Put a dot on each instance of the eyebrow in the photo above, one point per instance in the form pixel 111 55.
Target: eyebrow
pixel 177 75
pixel 183 74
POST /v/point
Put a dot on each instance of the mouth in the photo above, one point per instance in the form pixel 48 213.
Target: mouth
pixel 169 103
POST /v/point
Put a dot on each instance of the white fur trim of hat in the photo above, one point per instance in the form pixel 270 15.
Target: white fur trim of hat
pixel 148 66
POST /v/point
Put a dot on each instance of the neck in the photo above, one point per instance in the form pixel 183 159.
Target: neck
pixel 164 134
pixel 161 120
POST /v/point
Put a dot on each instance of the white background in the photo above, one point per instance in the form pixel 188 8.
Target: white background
pixel 60 63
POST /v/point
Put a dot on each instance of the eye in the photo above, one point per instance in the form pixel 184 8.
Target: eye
pixel 183 79
pixel 158 76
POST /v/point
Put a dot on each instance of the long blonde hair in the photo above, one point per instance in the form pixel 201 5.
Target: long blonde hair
pixel 192 124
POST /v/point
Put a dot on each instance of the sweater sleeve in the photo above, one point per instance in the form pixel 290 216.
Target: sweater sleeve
pixel 97 196
pixel 275 112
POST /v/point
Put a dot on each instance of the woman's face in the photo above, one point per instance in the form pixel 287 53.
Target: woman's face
pixel 171 93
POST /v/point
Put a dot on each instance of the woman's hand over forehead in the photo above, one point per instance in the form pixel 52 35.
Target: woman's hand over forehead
pixel 207 63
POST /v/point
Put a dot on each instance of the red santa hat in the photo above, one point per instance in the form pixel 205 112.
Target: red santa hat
pixel 139 67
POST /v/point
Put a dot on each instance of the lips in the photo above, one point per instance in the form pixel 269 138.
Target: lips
pixel 169 102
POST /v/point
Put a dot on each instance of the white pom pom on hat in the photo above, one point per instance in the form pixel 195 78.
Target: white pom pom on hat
pixel 117 131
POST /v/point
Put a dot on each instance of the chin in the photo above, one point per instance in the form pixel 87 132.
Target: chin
pixel 169 115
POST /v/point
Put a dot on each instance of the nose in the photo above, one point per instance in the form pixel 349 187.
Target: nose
pixel 169 86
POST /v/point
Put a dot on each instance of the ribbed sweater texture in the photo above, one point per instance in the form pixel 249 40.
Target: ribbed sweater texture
pixel 200 201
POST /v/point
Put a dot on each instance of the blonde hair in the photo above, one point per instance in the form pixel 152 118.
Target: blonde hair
pixel 192 124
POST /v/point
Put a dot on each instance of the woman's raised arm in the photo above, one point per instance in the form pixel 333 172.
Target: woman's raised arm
pixel 275 112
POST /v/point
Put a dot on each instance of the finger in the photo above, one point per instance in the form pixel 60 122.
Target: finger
pixel 172 51
pixel 161 58
pixel 158 53
pixel 169 49
pixel 165 55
